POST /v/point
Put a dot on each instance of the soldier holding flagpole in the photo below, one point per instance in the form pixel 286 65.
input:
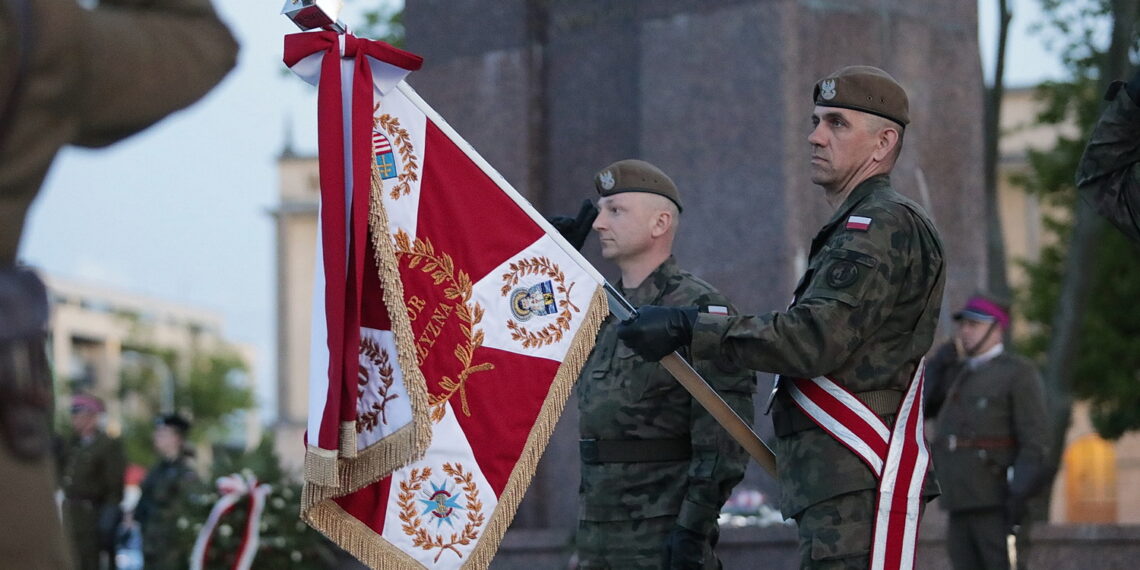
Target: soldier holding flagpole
pixel 656 468
pixel 848 409
pixel 70 75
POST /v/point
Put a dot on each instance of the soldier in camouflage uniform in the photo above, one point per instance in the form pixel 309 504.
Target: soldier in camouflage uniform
pixel 863 315
pixel 164 487
pixel 656 467
pixel 1109 175
pixel 990 410
pixel 91 476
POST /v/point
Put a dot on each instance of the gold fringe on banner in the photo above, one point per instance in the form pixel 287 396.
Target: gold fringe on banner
pixel 320 467
pixel 359 468
pixel 523 472
pixel 368 546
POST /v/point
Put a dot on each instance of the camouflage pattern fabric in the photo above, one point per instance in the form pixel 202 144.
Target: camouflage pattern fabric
pixel 622 397
pixel 1108 176
pixel 835 534
pixel 163 489
pixel 92 482
pixel 640 541
pixel 864 314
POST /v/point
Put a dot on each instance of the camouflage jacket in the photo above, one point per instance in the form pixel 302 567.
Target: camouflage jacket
pixel 864 314
pixel 1108 176
pixel 622 397
pixel 989 418
pixel 166 485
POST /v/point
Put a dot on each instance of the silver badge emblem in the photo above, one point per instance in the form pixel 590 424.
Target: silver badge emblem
pixel 607 180
pixel 827 89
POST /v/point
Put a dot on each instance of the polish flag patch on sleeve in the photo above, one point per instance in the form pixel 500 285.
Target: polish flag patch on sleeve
pixel 717 310
pixel 860 223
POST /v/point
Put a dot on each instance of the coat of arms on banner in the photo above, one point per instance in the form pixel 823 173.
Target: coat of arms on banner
pixel 420 254
pixel 387 128
pixel 452 499
pixel 538 300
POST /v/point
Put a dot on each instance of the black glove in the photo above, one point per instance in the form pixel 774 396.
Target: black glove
pixel 684 549
pixel 1133 87
pixel 575 230
pixel 1015 508
pixel 657 331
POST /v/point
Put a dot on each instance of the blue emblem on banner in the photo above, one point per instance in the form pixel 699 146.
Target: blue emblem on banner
pixel 536 300
pixel 385 160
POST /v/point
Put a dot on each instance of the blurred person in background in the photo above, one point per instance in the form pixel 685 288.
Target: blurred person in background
pixel 89 77
pixel 92 464
pixel 990 436
pixel 163 489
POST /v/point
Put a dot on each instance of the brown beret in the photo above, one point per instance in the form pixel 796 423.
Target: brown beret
pixel 864 88
pixel 632 175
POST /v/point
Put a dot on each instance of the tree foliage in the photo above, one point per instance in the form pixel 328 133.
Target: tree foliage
pixel 1108 344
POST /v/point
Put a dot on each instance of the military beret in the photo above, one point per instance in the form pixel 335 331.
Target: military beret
pixel 634 175
pixel 174 421
pixel 86 403
pixel 985 308
pixel 864 88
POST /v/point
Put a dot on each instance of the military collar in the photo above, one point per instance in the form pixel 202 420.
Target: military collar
pixel 860 193
pixel 652 287
pixel 864 189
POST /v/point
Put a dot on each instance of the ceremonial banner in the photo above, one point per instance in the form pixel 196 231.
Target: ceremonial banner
pixel 487 316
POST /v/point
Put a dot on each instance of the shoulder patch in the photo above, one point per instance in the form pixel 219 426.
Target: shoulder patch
pixel 842 274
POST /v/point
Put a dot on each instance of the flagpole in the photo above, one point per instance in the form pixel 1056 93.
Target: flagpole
pixel 704 394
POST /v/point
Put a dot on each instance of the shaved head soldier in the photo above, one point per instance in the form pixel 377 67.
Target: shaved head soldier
pixel 847 406
pixel 656 468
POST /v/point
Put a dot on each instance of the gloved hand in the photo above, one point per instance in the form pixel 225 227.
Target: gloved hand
pixel 1015 509
pixel 575 230
pixel 684 549
pixel 657 331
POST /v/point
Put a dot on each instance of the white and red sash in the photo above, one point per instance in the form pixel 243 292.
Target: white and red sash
pixel 898 457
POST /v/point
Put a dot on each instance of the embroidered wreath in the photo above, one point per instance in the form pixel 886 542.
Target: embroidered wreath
pixel 552 332
pixel 410 519
pixel 421 254
pixel 371 416
pixel 403 143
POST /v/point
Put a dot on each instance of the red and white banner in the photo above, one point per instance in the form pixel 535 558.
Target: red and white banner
pixel 466 325
pixel 898 457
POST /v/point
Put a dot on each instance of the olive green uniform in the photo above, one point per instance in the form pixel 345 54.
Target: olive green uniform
pixel 864 314
pixel 91 476
pixel 990 418
pixel 88 77
pixel 653 458
pixel 1108 175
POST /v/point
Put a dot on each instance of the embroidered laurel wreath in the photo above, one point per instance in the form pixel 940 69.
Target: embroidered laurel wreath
pixel 403 142
pixel 412 526
pixel 552 332
pixel 369 416
pixel 421 254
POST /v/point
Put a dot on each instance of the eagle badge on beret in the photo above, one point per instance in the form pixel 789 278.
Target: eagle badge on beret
pixel 827 89
pixel 607 180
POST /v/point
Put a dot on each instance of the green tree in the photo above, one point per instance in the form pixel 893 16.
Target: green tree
pixel 1081 291
pixel 209 390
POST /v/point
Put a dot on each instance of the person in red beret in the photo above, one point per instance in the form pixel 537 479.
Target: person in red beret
pixel 990 435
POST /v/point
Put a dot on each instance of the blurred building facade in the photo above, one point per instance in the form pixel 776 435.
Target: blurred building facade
pixel 97 333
